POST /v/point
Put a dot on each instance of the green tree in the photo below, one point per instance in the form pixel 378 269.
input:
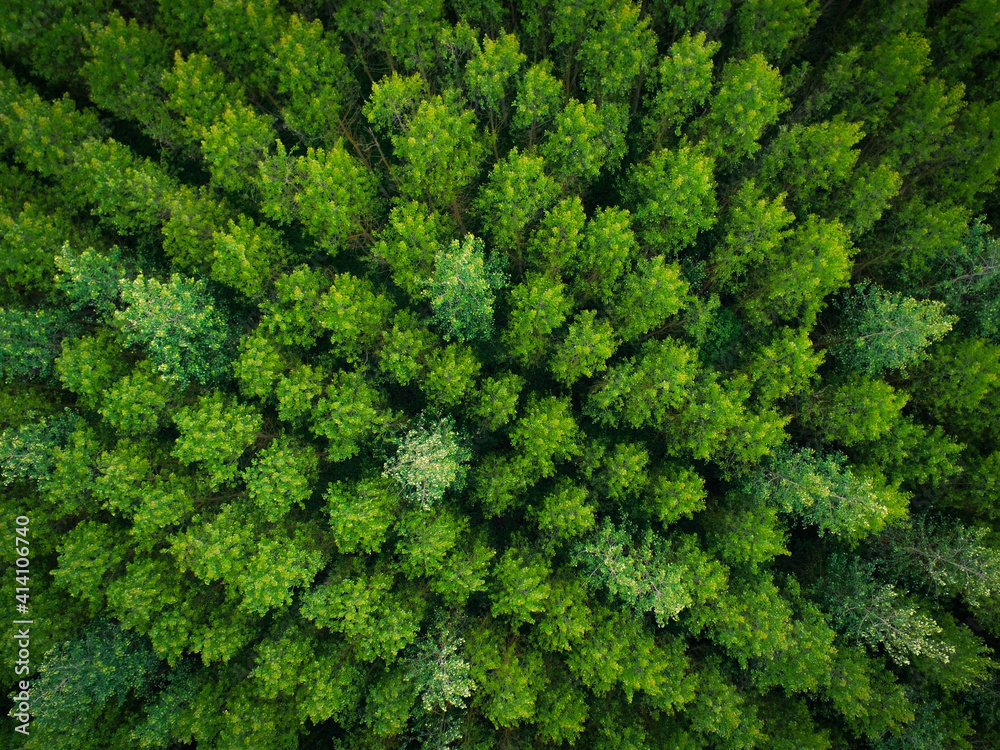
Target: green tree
pixel 348 413
pixel 859 410
pixel 683 82
pixel 463 289
pixel 539 308
pixel 814 261
pixel 648 298
pixel 516 191
pixel 616 53
pixel 245 255
pixel 489 75
pixel 442 679
pixel 182 332
pixel 234 144
pixel 826 492
pixel 440 150
pixel 769 28
pixel 215 433
pixel 123 73
pixel 585 350
pixel 30 343
pixel 313 77
pixel 199 93
pixel 428 462
pixel 751 88
pixel 673 197
pixel 878 615
pixel 103 668
pixel 584 141
pixel 608 246
pixel 887 330
pixel 281 477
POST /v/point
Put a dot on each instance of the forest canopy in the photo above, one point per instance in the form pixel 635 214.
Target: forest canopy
pixel 480 374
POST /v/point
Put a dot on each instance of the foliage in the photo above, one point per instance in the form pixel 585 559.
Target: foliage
pixel 886 330
pixel 184 335
pixel 462 290
pixel 428 462
pixel 501 374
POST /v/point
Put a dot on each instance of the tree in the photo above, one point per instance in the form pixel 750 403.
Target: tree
pixel 814 262
pixel 234 144
pixel 887 330
pixel 126 64
pixel 26 452
pixel 755 228
pixel 946 558
pixel 102 668
pixel 129 193
pixel 440 152
pixel 348 412
pixel 45 135
pixel 182 332
pixel 752 88
pixel 878 615
pixel 640 573
pixel 683 82
pixel 825 491
pixel 199 93
pixel 859 410
pixel 642 391
pixel 216 432
pixel 442 680
pixel 673 197
pixel 450 375
pixel 281 477
pixel 30 343
pixel 410 241
pixel 608 247
pixel 539 98
pixel 754 624
pixel 90 365
pixel 564 513
pixel 769 28
pixel 245 54
pixel 361 513
pixel 137 403
pixel 245 255
pixel 648 297
pixel 514 194
pixel 193 217
pixel 969 276
pixel 811 161
pixel 784 367
pixel 546 433
pixel 584 141
pixel 555 243
pixel 463 288
pixel 489 75
pixel 428 462
pixel 539 308
pixel 585 350
pixel 616 53
pixel 336 196
pixel 91 279
pixel 353 314
pixel 676 491
pixel 521 587
pixel 313 77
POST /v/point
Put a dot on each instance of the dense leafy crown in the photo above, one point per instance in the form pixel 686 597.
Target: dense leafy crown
pixel 479 374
